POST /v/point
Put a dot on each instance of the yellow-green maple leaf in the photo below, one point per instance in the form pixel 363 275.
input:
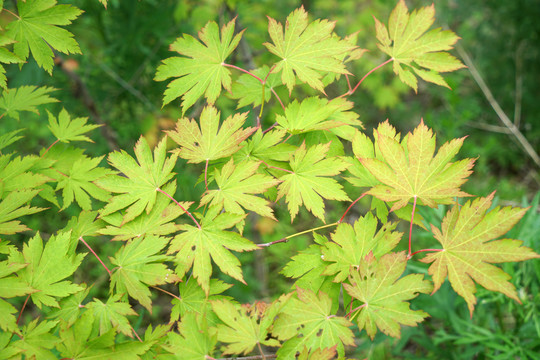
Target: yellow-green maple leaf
pixel 407 42
pixel 469 250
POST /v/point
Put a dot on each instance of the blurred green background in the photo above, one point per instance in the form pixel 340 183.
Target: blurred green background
pixel 112 83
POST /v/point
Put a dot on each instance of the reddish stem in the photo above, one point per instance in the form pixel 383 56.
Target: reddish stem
pixel 350 206
pixel 49 148
pixel 181 207
pixel 269 72
pixel 166 292
pixel 353 310
pixel 350 92
pixel 243 70
pixel 348 82
pixel 22 309
pixel 279 99
pixel 283 240
pixel 136 335
pixel 423 250
pixel 270 128
pixel 205 174
pixel 277 168
pixel 96 255
pixel 410 228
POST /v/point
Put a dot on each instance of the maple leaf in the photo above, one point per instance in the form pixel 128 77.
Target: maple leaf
pixel 267 147
pixel 318 354
pixel 71 307
pixel 66 129
pixel 308 321
pixel 201 71
pixel 467 237
pixel 112 314
pixel 410 170
pixel 36 31
pixel 47 268
pixel 236 186
pixel 383 297
pixel 78 183
pixel 309 182
pixel 249 90
pixel 196 246
pixel 9 138
pixel 192 298
pixel 351 245
pixel 11 286
pixel 407 42
pixel 314 113
pixel 14 174
pixel 243 331
pixel 210 141
pixel 140 266
pixel 12 207
pixel 158 222
pixel 37 341
pixel 139 189
pixel 308 51
pixel 195 341
pixel 6 57
pixel 24 98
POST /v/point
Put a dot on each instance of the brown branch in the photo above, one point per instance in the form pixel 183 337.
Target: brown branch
pixel 254 357
pixel 81 92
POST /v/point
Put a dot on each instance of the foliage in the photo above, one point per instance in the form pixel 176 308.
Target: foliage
pixel 355 278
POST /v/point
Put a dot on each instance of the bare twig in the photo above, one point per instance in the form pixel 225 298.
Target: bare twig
pixel 496 107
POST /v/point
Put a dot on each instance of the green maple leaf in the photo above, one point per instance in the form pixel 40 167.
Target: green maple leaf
pixel 9 138
pixel 6 57
pixel 11 286
pixel 349 246
pixel 196 246
pixel 48 267
pixel 315 113
pixel 410 169
pixel 407 42
pixel 37 340
pixel 309 181
pixel 249 90
pixel 267 147
pixel 66 129
pixel 36 31
pixel 308 50
pixel 195 341
pixel 139 266
pixel 158 222
pixel 210 141
pixel 318 354
pixel 469 250
pixel 308 322
pixel 244 328
pixel 383 297
pixel 200 71
pixel 192 298
pixel 112 314
pixel 139 189
pixel 78 183
pixel 71 307
pixel 12 208
pixel 14 174
pixel 24 98
pixel 237 185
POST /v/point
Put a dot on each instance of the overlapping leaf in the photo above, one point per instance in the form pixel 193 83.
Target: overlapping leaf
pixel 310 180
pixel 308 321
pixel 249 90
pixel 315 113
pixel 195 341
pixel 267 147
pixel 10 286
pixel 139 266
pixel 243 329
pixel 37 340
pixel 66 129
pixel 237 186
pixel 200 71
pixel 48 267
pixel 24 98
pixel 411 170
pixel 467 237
pixel 112 314
pixel 15 174
pixel 139 188
pixel 14 206
pixel 6 57
pixel 308 50
pixel 407 42
pixel 383 298
pixel 351 245
pixel 209 141
pixel 36 30
pixel 196 246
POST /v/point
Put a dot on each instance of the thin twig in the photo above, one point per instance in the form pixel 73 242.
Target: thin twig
pixel 350 206
pixel 166 292
pixel 496 107
pixel 350 92
pixel 254 357
pixel 179 205
pixel 410 228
